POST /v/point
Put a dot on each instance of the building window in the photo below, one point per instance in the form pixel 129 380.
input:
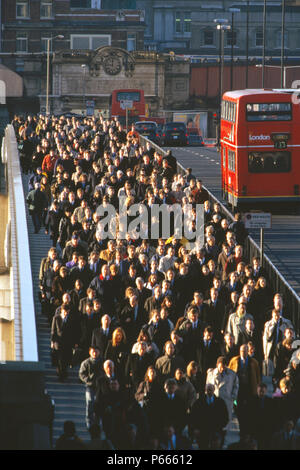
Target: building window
pixel 22 9
pixel 208 38
pixel 131 42
pixel 86 41
pixel 80 3
pixel 278 39
pixel 178 22
pixel 183 22
pixel 46 9
pixel 44 45
pixel 259 38
pixel 19 65
pixel 187 22
pixel 231 38
pixel 21 42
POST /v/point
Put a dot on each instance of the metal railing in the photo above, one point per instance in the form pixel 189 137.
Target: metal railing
pixel 23 311
pixel 277 281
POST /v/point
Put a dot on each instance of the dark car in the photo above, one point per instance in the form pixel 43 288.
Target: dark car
pixel 174 133
pixel 148 129
pixel 194 138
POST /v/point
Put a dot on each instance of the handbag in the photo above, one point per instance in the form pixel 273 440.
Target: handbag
pixel 267 368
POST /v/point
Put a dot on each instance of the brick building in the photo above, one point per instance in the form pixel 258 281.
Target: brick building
pixel 28 27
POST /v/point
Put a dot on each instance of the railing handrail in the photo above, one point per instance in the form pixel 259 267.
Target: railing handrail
pixel 24 311
pixel 229 214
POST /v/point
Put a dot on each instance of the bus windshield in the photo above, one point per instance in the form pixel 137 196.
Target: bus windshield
pixel 128 95
pixel 269 111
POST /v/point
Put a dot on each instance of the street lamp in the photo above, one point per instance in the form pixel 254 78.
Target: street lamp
pixel 59 36
pixel 233 11
pixel 283 71
pixel 221 26
pixel 83 66
pixel 264 42
pixel 247 44
pixel 282 42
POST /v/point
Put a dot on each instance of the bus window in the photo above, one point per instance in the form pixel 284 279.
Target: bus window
pixel 269 162
pixel 231 160
pixel 228 111
pixel 269 111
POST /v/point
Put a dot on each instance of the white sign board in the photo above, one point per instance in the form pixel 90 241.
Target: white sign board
pixel 258 220
pixel 126 104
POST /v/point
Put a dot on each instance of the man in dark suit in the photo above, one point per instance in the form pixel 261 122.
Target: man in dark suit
pixel 37 205
pixel 137 365
pixel 103 334
pixel 82 272
pixel 141 291
pixel 215 312
pixel 95 263
pixel 251 334
pixel 208 414
pixel 153 302
pixel 287 438
pixel 132 319
pixel 64 337
pixel 172 407
pixel 103 286
pixel 207 352
pixel 191 330
pixel 172 441
pixel 260 411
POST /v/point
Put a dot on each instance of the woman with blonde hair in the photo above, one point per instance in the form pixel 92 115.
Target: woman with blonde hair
pixel 117 351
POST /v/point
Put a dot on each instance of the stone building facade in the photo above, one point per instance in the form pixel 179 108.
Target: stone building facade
pixel 93 75
pixel 29 25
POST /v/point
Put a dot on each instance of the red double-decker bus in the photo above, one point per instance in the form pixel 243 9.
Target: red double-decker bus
pixel 260 146
pixel 132 99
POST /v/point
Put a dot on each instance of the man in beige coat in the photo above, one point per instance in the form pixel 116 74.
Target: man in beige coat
pixel 226 383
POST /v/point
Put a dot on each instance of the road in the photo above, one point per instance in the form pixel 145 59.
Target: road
pixel 282 242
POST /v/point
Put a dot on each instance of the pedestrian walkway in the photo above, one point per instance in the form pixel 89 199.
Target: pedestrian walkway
pixel 68 397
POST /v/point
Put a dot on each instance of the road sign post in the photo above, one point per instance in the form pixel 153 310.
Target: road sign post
pixel 126 104
pixel 261 220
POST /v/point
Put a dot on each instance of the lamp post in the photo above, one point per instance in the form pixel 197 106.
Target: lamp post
pixel 264 43
pixel 282 43
pixel 283 70
pixel 59 36
pixel 233 11
pixel 247 44
pixel 83 66
pixel 221 26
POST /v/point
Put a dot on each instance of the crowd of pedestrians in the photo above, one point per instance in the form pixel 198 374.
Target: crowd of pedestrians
pixel 171 338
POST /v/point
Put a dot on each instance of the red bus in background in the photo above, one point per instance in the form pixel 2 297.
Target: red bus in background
pixel 260 147
pixel 121 98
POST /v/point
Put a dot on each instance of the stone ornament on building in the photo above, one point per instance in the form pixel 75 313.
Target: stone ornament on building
pixel 113 61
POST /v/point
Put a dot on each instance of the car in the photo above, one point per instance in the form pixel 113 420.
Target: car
pixel 148 129
pixel 194 138
pixel 174 133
